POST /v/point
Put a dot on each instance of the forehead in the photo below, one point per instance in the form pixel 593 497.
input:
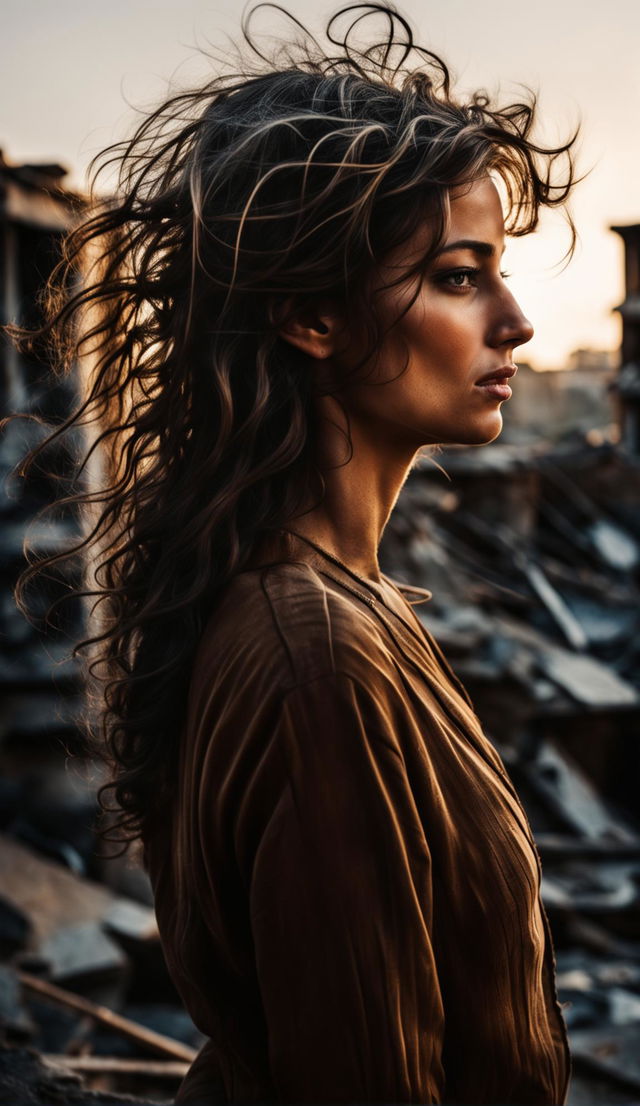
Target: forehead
pixel 476 213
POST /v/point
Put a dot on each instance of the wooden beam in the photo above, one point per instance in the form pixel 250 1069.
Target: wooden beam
pixel 133 1031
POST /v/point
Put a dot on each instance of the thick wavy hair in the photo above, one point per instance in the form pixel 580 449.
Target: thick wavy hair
pixel 288 177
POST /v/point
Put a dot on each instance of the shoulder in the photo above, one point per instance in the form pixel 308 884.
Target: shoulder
pixel 292 624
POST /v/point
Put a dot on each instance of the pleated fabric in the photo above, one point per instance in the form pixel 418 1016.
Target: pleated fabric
pixel 346 884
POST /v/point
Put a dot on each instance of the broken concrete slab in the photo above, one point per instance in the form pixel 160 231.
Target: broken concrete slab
pixel 83 934
pixel 83 953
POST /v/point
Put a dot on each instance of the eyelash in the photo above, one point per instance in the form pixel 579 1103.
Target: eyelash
pixel 469 271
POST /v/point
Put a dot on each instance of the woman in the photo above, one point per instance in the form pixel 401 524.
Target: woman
pixel 296 288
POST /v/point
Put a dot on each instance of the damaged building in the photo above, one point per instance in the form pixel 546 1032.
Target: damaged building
pixel 531 550
pixel 627 384
pixel 36 681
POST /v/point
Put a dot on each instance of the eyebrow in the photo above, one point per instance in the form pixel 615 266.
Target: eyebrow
pixel 485 249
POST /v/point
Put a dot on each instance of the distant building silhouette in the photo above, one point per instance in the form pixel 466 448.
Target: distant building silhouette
pixel 38 683
pixel 626 387
pixel 555 403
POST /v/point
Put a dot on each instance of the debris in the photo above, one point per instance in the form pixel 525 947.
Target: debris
pixel 555 604
pixel 15 929
pixel 16 1026
pixel 616 548
pixel 50 896
pixel 131 921
pixel 607 889
pixel 572 796
pixel 556 846
pixel 82 952
pixel 115 1065
pixel 147 1038
pixel 587 680
pixel 66 913
pixel 611 1053
pixel 26 1081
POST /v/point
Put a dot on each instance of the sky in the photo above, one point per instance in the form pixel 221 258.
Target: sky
pixel 73 73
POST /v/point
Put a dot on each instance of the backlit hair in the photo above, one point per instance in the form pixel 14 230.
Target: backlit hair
pixel 285 181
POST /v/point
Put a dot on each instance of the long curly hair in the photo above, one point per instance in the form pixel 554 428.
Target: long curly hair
pixel 289 176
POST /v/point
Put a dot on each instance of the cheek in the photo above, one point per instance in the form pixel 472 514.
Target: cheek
pixel 442 337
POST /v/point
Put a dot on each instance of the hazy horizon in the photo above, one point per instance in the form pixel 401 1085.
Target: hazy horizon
pixel 70 69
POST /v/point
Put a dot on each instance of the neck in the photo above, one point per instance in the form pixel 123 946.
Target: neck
pixel 361 491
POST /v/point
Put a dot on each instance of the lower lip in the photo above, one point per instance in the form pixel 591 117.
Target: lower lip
pixel 492 388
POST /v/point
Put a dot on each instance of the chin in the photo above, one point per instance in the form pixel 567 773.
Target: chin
pixel 475 435
pixel 488 438
pixel 483 435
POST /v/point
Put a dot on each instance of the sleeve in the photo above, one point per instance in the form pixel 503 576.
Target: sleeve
pixel 341 908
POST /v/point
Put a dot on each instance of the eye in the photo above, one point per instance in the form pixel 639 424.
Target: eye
pixel 458 278
pixel 505 276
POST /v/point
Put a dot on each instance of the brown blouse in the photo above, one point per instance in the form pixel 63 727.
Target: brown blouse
pixel 346 885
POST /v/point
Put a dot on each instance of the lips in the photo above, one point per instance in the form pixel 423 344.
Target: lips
pixel 498 376
pixel 495 383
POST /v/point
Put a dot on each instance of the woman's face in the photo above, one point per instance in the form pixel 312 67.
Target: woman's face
pixel 463 327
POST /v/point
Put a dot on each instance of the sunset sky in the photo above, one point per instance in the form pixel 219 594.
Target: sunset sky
pixel 71 68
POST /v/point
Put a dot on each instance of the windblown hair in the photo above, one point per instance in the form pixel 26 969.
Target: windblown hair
pixel 283 181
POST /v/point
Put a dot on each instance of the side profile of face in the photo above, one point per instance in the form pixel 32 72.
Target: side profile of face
pixel 425 385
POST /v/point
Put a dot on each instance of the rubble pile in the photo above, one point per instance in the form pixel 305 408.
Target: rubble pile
pixel 84 993
pixel 532 558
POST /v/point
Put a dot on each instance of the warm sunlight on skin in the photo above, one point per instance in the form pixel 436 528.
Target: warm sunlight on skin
pixel 426 383
pixel 463 325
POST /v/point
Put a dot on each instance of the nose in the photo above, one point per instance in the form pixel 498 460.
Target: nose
pixel 510 325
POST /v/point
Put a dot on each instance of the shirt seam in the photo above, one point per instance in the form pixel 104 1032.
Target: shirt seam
pixel 333 669
pixel 276 624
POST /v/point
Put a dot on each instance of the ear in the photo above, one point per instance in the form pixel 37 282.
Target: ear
pixel 317 330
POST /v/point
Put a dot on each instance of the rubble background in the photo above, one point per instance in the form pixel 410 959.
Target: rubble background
pixel 531 549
